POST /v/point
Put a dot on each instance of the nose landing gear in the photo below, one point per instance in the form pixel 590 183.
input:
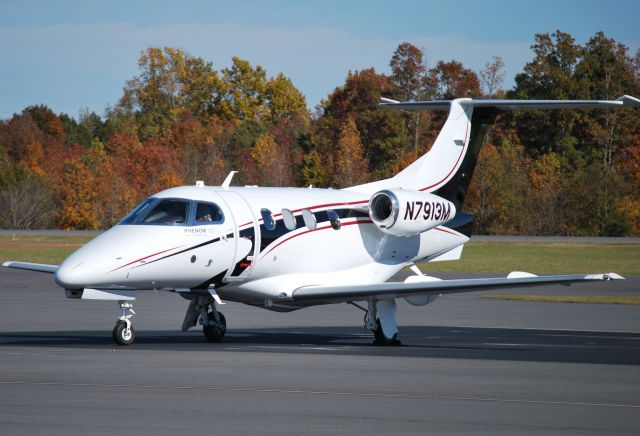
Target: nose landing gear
pixel 123 333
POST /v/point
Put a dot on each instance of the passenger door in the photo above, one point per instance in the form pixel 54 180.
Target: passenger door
pixel 245 234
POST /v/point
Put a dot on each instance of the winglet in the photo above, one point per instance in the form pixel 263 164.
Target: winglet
pixel 227 181
pixel 628 100
pixel 609 276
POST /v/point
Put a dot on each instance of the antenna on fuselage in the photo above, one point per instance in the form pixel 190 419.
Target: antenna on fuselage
pixel 227 181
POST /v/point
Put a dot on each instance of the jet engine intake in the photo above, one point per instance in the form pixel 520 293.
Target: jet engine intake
pixel 403 213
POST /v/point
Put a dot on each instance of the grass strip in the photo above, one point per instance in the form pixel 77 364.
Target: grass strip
pixel 50 249
pixel 543 258
pixel 580 299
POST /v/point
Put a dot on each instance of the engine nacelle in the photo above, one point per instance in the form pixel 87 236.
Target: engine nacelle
pixel 402 213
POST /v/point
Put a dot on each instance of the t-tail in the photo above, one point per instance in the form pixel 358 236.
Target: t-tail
pixel 447 168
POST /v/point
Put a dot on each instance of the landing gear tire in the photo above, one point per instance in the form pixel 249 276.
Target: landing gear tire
pixel 215 332
pixel 382 340
pixel 123 335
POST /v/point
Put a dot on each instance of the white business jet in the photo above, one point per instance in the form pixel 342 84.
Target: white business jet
pixel 284 249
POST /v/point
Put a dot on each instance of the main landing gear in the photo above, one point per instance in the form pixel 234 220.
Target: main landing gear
pixel 203 310
pixel 380 318
pixel 123 333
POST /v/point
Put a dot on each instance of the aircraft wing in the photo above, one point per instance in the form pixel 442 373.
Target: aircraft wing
pixel 387 290
pixel 40 267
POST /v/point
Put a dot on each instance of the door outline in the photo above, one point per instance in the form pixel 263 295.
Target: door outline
pixel 242 275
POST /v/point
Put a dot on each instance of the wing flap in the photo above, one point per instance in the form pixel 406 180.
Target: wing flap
pixel 40 267
pixel 387 290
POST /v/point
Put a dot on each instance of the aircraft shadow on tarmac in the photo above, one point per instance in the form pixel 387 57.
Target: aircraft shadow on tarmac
pixel 616 348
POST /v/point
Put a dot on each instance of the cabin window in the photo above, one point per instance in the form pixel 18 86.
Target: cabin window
pixel 289 219
pixel 267 219
pixel 334 219
pixel 168 212
pixel 309 219
pixel 208 213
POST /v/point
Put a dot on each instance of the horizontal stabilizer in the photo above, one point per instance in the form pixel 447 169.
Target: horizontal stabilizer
pixel 502 104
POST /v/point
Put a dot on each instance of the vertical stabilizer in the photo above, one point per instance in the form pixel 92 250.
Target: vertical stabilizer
pixel 447 168
pixel 437 167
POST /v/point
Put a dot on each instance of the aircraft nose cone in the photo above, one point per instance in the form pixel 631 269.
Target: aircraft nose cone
pixel 72 276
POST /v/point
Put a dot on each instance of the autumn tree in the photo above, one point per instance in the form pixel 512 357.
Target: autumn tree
pixel 547 189
pixel 201 144
pixel 171 81
pixel 492 76
pixel 313 170
pixel 452 80
pixel 79 194
pixel 381 131
pixel 408 77
pixel 25 197
pixel 245 96
pixel 549 76
pixel 271 163
pixel 499 193
pixel 407 72
pixel 284 100
pixel 351 164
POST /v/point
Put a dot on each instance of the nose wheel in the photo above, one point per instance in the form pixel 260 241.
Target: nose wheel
pixel 123 332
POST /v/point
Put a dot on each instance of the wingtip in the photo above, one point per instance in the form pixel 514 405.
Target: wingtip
pixel 388 100
pixel 607 276
pixel 613 276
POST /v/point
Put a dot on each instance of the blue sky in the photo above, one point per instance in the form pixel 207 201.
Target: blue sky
pixel 71 55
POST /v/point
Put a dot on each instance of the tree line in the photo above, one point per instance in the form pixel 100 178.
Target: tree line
pixel 570 172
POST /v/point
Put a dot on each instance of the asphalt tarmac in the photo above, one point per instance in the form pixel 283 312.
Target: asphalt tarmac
pixel 467 365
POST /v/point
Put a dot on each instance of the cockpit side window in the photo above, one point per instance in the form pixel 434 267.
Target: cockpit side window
pixel 168 212
pixel 209 213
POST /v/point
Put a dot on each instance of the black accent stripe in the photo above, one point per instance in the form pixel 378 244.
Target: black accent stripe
pixel 212 241
pixel 267 237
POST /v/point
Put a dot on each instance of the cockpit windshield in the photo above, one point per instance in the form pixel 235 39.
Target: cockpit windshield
pixel 140 210
pixel 174 211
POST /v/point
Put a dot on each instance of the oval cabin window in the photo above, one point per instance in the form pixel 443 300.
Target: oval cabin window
pixel 267 219
pixel 309 219
pixel 289 219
